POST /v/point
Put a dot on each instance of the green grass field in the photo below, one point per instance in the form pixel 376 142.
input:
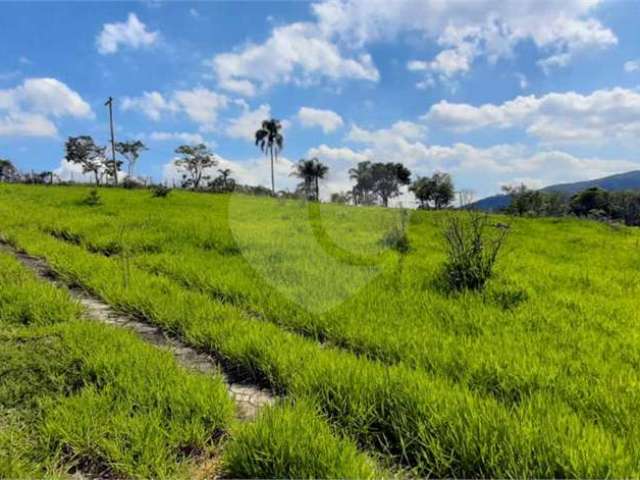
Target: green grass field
pixel 380 367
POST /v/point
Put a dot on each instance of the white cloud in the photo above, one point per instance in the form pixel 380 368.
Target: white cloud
pixel 29 106
pixel 68 171
pixel 132 33
pixel 599 117
pixel 632 66
pixel 47 96
pixel 199 104
pixel 483 168
pixel 21 124
pixel 554 61
pixel 152 104
pixel 245 125
pixel 190 138
pixel 295 53
pixel 333 155
pixel 328 120
pixel 522 81
pixel 467 29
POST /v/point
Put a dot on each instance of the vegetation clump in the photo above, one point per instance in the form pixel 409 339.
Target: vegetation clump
pixel 293 442
pixel 396 238
pixel 160 191
pixel 92 199
pixel 433 192
pixel 472 250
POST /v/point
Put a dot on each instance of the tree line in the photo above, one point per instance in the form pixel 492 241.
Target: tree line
pixel 594 202
pixel 374 182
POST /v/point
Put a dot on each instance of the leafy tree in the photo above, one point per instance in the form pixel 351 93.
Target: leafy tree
pixel 8 171
pixel 194 162
pixel 270 140
pixel 387 180
pixel 311 172
pixel 223 182
pixel 341 197
pixel 83 151
pixel 131 151
pixel 437 190
pixel 592 201
pixel 524 201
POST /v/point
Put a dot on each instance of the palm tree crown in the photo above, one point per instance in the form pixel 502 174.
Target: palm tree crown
pixel 311 172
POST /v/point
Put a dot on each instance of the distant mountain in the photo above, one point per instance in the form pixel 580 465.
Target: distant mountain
pixel 612 183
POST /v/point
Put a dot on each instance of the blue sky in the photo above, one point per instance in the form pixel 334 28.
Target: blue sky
pixel 493 92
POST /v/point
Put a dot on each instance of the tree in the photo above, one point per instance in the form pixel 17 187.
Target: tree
pixel 387 180
pixel 311 172
pixel 223 182
pixel 7 170
pixel 131 151
pixel 270 140
pixel 341 197
pixel 592 201
pixel 437 189
pixel 46 176
pixel 524 201
pixel 83 151
pixel 195 160
pixel 363 189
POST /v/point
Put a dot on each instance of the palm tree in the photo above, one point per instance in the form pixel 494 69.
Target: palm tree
pixel 362 174
pixel 311 172
pixel 224 175
pixel 269 139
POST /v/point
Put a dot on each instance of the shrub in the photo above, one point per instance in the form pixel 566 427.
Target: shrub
pixel 160 191
pixel 472 250
pixel 92 199
pixel 396 238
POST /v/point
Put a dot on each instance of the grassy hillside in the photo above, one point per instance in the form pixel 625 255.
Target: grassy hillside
pixel 537 376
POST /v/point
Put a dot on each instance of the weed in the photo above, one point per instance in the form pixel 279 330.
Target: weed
pixel 472 250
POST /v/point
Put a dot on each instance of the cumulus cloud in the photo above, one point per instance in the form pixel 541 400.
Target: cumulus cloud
pixel 199 104
pixel 566 117
pixel 21 124
pixel 151 104
pixel 26 109
pixel 484 168
pixel 295 53
pixel 468 29
pixel 132 34
pixel 328 120
pixel 245 125
pixel 632 66
pixel 186 137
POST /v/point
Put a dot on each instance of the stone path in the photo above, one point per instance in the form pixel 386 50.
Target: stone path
pixel 248 398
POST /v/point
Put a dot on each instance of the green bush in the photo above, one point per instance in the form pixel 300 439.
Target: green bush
pixel 92 199
pixel 472 250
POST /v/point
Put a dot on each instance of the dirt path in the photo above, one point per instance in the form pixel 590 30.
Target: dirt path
pixel 248 398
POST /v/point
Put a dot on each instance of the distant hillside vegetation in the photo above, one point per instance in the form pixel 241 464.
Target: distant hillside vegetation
pixel 613 183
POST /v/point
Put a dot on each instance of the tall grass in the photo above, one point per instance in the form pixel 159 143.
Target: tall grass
pixel 533 377
pixel 80 396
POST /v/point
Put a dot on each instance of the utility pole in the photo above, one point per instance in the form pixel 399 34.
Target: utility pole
pixel 109 103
